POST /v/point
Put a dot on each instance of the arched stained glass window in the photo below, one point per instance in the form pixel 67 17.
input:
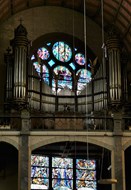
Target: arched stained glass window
pixel 62 51
pixel 64 63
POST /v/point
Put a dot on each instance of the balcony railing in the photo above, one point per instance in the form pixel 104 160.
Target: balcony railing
pixel 69 121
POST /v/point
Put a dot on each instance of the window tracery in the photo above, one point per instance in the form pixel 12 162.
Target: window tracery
pixel 64 65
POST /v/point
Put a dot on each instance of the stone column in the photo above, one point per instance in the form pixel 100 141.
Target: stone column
pixel 24 153
pixel 117 156
pixel 113 49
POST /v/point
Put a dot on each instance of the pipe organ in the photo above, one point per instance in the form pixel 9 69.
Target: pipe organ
pixel 113 48
pixel 20 81
pixel 20 50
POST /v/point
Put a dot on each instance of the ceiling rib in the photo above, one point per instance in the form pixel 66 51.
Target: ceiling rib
pixel 97 13
pixel 118 11
pixel 11 7
pixel 127 30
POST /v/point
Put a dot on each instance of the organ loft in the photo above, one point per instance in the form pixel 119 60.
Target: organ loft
pixel 65 106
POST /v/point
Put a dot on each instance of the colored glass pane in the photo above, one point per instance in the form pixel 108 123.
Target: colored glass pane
pixel 87 185
pixel 62 51
pixel 39 172
pixel 37 160
pixel 48 44
pixel 37 66
pixel 45 74
pixel 32 57
pixel 80 59
pixel 84 78
pixel 72 65
pixel 51 63
pixel 62 173
pixel 85 164
pixel 45 71
pixel 62 72
pixel 86 174
pixel 64 79
pixel 43 53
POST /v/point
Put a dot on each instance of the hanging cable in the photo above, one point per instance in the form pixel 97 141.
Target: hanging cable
pixel 102 23
pixel 104 55
pixel 102 159
pixel 85 48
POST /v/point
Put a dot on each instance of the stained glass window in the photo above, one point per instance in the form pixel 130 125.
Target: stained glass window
pixel 43 53
pixel 59 173
pixel 85 174
pixel 39 172
pixel 62 51
pixel 62 173
pixel 80 59
pixel 64 63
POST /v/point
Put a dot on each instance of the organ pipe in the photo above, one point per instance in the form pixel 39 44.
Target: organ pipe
pixel 20 47
pixel 113 48
pixel 9 74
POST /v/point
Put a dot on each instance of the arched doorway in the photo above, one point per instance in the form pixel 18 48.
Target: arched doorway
pixel 128 167
pixel 8 167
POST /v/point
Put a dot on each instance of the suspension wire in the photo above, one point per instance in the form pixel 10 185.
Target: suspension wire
pixel 102 160
pixel 103 75
pixel 102 22
pixel 104 53
pixel 85 48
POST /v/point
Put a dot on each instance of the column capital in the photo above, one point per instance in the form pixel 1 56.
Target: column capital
pixel 113 40
pixel 26 122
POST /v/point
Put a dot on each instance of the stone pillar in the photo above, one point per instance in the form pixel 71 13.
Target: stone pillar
pixel 20 49
pixel 117 156
pixel 24 153
pixel 113 49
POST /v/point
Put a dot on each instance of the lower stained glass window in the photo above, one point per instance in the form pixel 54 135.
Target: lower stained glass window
pixel 39 172
pixel 62 172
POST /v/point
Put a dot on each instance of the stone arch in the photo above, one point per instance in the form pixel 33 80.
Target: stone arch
pixel 126 145
pixel 72 138
pixel 9 141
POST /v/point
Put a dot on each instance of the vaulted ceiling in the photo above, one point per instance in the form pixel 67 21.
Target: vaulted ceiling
pixel 115 12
